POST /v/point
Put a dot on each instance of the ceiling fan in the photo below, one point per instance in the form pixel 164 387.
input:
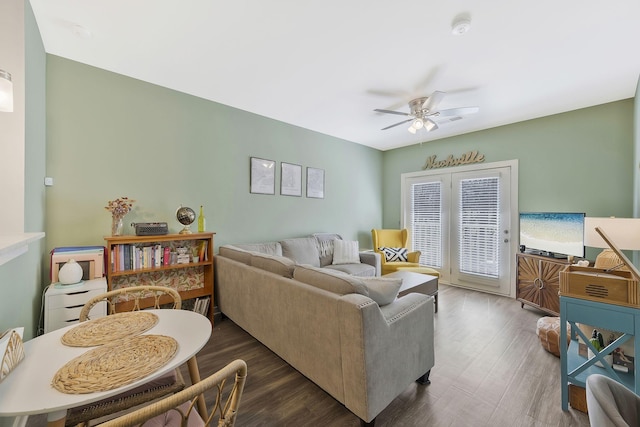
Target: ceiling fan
pixel 424 110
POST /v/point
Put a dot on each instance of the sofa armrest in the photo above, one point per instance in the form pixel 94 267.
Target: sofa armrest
pixel 383 349
pixel 371 258
pixel 414 257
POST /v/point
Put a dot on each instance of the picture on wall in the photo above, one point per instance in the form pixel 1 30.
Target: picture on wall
pixel 315 183
pixel 263 176
pixel 290 179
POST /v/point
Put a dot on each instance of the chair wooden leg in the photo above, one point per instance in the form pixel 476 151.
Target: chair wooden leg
pixel 194 373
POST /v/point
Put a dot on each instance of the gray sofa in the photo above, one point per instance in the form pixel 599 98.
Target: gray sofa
pixel 317 250
pixel 325 324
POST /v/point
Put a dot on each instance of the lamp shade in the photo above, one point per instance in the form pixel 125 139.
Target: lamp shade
pixel 623 232
pixel 6 92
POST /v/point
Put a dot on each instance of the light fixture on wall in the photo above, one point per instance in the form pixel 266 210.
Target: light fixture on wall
pixel 624 232
pixel 6 92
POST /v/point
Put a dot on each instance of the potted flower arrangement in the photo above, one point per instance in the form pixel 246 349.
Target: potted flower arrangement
pixel 118 208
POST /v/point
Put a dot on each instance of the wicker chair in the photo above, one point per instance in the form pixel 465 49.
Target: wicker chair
pixel 169 383
pixel 180 409
pixel 139 293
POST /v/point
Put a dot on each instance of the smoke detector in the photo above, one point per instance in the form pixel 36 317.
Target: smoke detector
pixel 460 27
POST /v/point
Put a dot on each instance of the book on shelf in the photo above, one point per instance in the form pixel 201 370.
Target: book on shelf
pixel 125 257
pixel 202 250
pixel 166 256
pixel 201 305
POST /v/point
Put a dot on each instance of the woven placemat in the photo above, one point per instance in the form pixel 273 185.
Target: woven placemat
pixel 106 329
pixel 115 364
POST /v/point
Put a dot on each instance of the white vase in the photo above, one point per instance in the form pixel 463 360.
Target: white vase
pixel 70 273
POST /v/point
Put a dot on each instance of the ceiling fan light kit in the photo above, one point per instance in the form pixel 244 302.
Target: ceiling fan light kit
pixel 423 110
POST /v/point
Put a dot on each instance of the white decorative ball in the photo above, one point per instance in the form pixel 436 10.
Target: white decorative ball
pixel 70 273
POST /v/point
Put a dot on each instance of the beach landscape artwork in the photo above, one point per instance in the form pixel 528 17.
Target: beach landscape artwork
pixel 557 233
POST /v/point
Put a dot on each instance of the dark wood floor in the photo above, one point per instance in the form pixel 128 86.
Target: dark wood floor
pixel 490 371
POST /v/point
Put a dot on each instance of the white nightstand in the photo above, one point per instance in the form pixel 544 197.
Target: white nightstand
pixel 62 304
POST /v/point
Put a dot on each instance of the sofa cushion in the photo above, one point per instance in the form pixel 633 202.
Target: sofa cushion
pixel 359 270
pixel 275 264
pixel 269 248
pixel 330 280
pixel 325 246
pixel 382 290
pixel 345 252
pixel 395 254
pixel 303 250
pixel 235 253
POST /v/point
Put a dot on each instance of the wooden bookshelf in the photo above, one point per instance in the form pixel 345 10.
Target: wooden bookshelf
pixel 191 280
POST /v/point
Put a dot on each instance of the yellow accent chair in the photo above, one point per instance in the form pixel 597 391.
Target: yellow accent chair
pixel 393 239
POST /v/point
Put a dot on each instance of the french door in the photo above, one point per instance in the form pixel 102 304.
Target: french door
pixel 460 220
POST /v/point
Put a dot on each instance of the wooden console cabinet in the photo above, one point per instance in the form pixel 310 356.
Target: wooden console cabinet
pixel 191 280
pixel 538 282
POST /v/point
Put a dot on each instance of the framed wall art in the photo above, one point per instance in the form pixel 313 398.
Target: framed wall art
pixel 315 183
pixel 263 176
pixel 290 179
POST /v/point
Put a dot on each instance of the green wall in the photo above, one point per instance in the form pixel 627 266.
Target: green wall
pixel 579 161
pixel 111 136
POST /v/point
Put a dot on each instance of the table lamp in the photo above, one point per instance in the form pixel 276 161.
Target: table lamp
pixel 623 232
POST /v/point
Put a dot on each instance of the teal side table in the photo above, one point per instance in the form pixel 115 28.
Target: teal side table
pixel 574 368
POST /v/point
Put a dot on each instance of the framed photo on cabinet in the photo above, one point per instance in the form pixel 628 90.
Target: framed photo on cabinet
pixel 290 179
pixel 263 176
pixel 315 183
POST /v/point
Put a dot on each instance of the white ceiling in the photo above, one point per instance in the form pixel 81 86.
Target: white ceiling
pixel 325 65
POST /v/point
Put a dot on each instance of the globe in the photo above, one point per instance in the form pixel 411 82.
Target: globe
pixel 185 216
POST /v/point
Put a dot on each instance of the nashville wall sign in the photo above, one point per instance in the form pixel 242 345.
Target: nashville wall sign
pixel 466 159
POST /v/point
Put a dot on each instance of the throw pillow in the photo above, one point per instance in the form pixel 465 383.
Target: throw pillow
pixel 303 250
pixel 345 252
pixel 382 290
pixel 330 280
pixel 395 254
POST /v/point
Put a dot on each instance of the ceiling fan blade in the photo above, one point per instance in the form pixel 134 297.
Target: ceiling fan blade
pixel 432 102
pixel 458 111
pixel 397 124
pixel 392 112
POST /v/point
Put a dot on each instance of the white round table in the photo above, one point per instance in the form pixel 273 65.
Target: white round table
pixel 27 389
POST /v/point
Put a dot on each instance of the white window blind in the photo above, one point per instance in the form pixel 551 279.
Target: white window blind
pixel 426 222
pixel 479 226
